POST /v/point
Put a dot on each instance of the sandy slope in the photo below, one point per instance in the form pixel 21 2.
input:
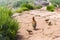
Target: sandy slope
pixel 45 32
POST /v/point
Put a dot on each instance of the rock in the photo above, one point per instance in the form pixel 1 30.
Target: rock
pixel 41 2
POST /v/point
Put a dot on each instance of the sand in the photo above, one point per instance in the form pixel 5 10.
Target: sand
pixel 46 31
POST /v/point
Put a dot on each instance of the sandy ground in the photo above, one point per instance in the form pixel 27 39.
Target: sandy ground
pixel 46 31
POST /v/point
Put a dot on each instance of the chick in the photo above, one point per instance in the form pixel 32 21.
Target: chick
pixel 47 20
pixel 30 32
pixel 49 23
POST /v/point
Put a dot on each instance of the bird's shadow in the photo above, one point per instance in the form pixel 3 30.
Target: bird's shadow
pixel 19 37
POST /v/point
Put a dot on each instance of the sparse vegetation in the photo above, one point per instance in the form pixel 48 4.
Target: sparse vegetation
pixel 38 7
pixel 24 8
pixel 8 26
pixel 29 6
pixel 50 8
pixel 55 2
pixel 19 10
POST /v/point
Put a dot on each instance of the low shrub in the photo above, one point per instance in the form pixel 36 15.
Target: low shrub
pixel 24 8
pixel 55 2
pixel 6 10
pixel 29 6
pixel 51 8
pixel 19 10
pixel 38 7
pixel 8 26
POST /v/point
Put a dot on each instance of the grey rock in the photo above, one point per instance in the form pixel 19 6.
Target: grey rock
pixel 41 2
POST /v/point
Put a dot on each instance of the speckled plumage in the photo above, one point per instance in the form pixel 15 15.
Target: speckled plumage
pixel 34 23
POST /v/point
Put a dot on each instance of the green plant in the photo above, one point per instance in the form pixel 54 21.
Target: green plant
pixel 55 2
pixel 19 10
pixel 29 6
pixel 24 8
pixel 17 3
pixel 38 7
pixel 6 10
pixel 51 8
pixel 8 26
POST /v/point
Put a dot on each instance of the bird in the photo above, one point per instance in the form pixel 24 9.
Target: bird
pixel 34 23
pixel 30 32
pixel 47 20
pixel 49 23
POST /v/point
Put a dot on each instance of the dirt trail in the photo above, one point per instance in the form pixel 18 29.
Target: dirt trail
pixel 48 30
